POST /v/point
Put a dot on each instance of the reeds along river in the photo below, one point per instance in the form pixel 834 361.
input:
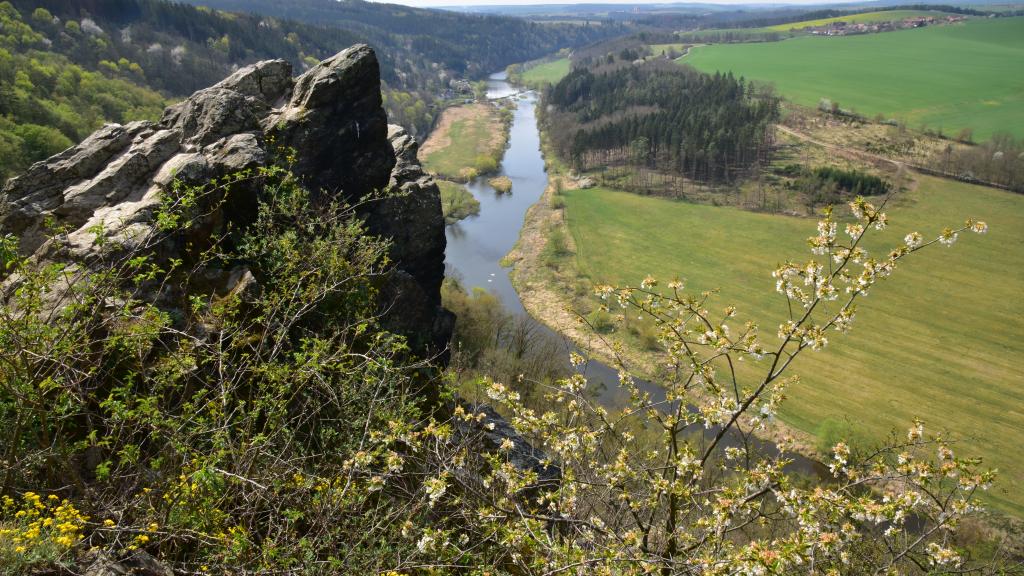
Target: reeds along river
pixel 476 245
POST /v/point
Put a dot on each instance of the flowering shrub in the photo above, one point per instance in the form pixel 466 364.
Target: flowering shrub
pixel 275 427
pixel 674 484
pixel 37 530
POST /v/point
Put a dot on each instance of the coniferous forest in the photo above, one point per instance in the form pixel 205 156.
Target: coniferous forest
pixel 708 128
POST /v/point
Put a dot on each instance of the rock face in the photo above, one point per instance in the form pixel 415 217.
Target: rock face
pixel 333 119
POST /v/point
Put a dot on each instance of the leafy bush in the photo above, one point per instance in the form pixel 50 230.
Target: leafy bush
pixel 254 426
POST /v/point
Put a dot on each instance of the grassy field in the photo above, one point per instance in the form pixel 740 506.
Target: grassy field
pixel 547 73
pixel 865 18
pixel 943 339
pixel 949 77
pixel 464 136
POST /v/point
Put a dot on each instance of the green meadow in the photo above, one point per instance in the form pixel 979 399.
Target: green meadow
pixel 966 75
pixel 546 73
pixel 943 339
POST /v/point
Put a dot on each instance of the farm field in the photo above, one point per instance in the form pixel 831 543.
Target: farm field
pixel 943 339
pixel 950 77
pixel 547 73
pixel 865 18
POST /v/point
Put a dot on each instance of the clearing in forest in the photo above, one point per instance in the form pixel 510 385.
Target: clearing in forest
pixel 546 73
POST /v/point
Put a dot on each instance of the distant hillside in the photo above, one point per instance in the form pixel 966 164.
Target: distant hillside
pixel 47 102
pixel 469 44
pixel 111 48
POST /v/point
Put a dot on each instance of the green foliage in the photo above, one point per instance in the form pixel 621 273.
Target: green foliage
pixel 47 103
pixel 227 427
pixel 471 45
pixel 456 202
pixel 556 247
pixel 489 341
pixel 185 48
pixel 826 185
pixel 485 164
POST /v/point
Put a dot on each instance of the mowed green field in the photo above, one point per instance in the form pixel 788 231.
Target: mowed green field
pixel 547 73
pixel 943 339
pixel 968 75
pixel 865 18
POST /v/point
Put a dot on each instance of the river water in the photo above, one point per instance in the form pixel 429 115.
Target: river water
pixel 477 244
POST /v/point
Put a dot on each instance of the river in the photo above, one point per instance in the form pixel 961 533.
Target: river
pixel 476 246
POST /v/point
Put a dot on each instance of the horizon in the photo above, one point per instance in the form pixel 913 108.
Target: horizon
pixel 499 3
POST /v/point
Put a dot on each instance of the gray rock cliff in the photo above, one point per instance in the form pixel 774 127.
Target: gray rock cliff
pixel 332 116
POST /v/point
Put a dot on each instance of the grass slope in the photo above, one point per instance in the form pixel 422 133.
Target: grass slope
pixel 943 339
pixel 865 18
pixel 953 77
pixel 547 73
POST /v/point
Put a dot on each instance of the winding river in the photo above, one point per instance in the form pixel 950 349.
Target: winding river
pixel 476 246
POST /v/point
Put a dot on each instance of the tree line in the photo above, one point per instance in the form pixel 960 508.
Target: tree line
pixel 709 128
pixel 471 45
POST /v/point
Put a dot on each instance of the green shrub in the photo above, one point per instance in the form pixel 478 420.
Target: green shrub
pixel 501 184
pixel 601 321
pixel 485 164
pixel 456 201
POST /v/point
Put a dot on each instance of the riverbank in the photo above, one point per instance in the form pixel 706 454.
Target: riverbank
pixel 550 289
pixel 870 382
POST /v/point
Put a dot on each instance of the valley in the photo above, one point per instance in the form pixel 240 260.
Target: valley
pixel 344 287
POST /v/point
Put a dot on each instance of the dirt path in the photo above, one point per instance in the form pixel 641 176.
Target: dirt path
pixel 842 150
pixel 862 155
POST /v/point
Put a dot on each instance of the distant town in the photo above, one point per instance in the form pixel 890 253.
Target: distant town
pixel 842 28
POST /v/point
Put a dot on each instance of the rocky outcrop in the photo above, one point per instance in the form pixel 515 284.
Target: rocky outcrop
pixel 331 117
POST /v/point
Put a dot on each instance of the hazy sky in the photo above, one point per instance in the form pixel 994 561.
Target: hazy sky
pixel 429 3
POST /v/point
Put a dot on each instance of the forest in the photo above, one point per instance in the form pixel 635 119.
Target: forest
pixel 68 67
pixel 48 103
pixel 709 128
pixel 468 44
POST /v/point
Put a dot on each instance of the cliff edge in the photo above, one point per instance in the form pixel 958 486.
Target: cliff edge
pixel 333 120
